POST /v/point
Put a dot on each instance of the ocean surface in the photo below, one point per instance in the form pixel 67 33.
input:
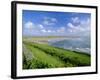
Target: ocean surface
pixel 81 44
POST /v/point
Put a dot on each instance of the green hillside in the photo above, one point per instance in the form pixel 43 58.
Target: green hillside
pixel 46 56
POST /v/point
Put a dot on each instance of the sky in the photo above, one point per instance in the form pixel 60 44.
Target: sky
pixel 47 23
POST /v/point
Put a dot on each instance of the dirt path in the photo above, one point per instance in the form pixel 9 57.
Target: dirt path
pixel 28 54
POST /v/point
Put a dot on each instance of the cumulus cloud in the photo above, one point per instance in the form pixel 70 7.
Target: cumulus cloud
pixel 75 19
pixel 29 25
pixel 83 28
pixel 46 22
pixel 41 26
pixel 31 28
pixel 49 21
pixel 70 25
pixel 49 31
pixel 75 27
pixel 43 30
pixel 54 19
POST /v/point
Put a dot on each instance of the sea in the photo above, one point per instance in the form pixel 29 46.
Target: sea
pixel 80 44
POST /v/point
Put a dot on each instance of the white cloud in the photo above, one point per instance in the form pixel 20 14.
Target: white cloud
pixel 87 22
pixel 46 22
pixel 78 28
pixel 49 21
pixel 81 29
pixel 75 19
pixel 40 26
pixel 43 30
pixel 70 25
pixel 31 28
pixel 29 25
pixel 54 19
pixel 49 31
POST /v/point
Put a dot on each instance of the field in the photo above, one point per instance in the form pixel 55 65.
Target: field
pixel 38 54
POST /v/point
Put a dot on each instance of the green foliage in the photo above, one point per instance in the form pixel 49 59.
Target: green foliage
pixel 34 63
pixel 52 57
pixel 26 64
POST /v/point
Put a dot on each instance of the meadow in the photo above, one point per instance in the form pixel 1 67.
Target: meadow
pixel 38 55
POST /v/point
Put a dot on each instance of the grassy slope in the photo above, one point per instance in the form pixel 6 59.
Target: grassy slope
pixel 47 59
pixel 55 57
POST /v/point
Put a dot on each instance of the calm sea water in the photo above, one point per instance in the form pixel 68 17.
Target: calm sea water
pixel 81 44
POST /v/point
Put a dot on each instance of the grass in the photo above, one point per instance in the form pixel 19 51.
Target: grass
pixel 39 38
pixel 46 56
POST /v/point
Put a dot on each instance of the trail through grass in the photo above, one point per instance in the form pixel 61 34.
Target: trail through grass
pixel 45 58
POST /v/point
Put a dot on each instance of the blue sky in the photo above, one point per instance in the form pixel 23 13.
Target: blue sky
pixel 47 23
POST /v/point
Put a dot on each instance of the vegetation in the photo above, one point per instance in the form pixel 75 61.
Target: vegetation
pixel 46 56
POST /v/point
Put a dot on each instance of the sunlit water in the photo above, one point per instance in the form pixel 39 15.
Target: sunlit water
pixel 81 44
